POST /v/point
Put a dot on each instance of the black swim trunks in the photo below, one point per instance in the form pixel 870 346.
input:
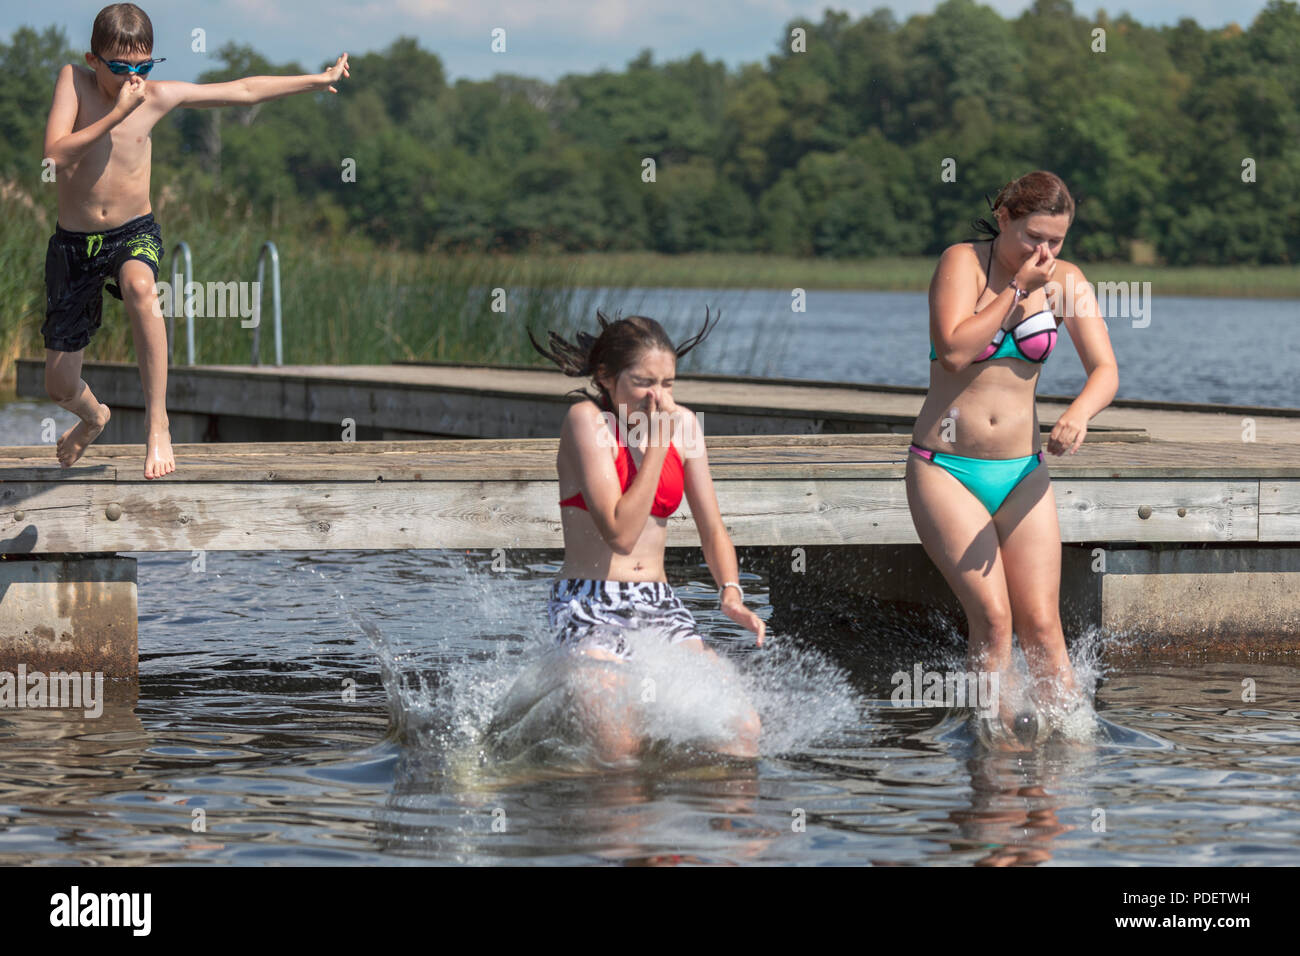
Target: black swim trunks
pixel 76 267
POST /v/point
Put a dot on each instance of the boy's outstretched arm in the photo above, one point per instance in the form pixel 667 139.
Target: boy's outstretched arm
pixel 249 89
pixel 63 145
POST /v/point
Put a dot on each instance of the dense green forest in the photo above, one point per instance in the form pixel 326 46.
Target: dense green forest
pixel 836 150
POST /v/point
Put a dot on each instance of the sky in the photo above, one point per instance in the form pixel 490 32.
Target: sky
pixel 544 39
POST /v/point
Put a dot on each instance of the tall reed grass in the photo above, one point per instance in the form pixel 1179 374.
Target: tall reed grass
pixel 346 300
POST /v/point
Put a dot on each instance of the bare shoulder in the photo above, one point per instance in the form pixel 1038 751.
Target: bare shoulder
pixel 958 260
pixel 1070 294
pixel 1067 273
pixel 583 417
pixel 76 75
pixel 964 248
pixel 959 252
pixel 1065 267
pixel 690 424
pixel 690 434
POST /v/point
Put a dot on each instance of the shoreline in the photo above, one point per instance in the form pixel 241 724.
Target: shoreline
pixel 902 274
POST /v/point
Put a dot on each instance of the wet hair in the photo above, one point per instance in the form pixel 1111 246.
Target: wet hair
pixel 1039 191
pixel 620 345
pixel 124 27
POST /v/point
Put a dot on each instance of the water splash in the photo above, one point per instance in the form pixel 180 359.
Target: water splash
pixel 1044 708
pixel 531 706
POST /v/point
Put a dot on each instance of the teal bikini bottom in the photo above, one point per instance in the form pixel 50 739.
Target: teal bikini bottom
pixel 988 479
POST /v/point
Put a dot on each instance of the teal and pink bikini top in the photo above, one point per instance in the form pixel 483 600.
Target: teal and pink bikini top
pixel 1032 339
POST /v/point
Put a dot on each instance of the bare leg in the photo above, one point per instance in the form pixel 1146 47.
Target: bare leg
pixel 614 732
pixel 961 539
pixel 1031 552
pixel 64 385
pixel 149 332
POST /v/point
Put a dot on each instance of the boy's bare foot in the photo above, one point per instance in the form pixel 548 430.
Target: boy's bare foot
pixel 158 459
pixel 74 442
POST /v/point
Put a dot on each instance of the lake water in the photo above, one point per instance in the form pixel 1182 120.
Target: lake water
pixel 243 713
pixel 327 708
pixel 1230 351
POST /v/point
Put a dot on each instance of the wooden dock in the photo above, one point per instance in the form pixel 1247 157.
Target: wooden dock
pixel 1174 522
pixel 772 490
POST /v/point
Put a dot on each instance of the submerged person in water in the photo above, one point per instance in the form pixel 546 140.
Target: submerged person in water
pixel 626 457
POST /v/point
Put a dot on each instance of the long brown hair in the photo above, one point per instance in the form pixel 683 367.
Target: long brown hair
pixel 1039 191
pixel 621 344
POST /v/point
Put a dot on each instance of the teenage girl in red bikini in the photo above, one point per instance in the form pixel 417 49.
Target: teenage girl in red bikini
pixel 615 501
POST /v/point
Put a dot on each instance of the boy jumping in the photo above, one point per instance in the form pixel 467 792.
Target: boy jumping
pixel 98 138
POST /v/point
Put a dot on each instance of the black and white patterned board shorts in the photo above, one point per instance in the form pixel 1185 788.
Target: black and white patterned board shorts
pixel 588 611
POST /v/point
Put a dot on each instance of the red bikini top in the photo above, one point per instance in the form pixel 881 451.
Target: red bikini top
pixel 671 481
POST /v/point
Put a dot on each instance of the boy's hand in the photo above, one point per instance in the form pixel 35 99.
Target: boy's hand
pixel 130 95
pixel 339 69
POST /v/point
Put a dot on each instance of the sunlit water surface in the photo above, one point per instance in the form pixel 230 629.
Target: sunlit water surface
pixel 331 708
pixel 262 703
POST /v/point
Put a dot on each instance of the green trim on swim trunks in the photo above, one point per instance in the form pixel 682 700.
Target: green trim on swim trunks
pixel 146 246
pixel 990 480
pixel 90 241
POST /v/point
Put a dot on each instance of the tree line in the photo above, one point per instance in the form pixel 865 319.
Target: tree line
pixel 1178 139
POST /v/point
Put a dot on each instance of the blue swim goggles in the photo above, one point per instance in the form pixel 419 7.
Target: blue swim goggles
pixel 121 66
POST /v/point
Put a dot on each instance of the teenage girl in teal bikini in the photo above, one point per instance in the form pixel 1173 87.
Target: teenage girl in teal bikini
pixel 977 486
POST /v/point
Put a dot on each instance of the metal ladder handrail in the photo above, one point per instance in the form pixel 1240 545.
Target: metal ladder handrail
pixel 268 247
pixel 184 249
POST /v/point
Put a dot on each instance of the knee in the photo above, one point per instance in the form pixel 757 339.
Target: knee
pixel 993 619
pixel 140 288
pixel 1038 625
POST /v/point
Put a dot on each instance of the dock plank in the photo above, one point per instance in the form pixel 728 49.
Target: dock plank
pixel 1279 510
pixel 534 459
pixel 495 402
pixel 831 490
pixel 477 514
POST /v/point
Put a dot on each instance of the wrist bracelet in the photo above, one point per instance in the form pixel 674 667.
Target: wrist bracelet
pixel 731 584
pixel 1020 293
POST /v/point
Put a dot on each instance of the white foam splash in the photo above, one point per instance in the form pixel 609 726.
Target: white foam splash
pixel 1069 716
pixel 534 704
